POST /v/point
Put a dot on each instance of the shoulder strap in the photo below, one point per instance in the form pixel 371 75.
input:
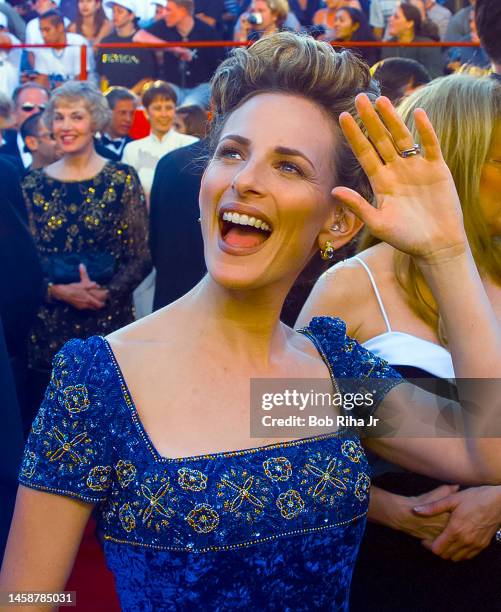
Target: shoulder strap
pixel 376 291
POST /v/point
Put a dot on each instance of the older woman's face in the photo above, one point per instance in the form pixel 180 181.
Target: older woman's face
pixel 72 126
pixel 490 184
pixel 265 195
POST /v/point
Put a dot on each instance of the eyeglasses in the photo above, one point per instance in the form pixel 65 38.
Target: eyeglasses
pixel 27 107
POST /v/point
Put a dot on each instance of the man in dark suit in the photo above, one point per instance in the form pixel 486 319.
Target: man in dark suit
pixel 112 141
pixel 28 99
pixel 176 242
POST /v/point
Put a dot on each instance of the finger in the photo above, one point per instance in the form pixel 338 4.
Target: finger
pixel 84 277
pixel 446 504
pixel 360 145
pixel 358 205
pixel 430 144
pixel 399 132
pixel 443 542
pixel 378 134
pixel 94 302
pixel 463 553
pixel 473 553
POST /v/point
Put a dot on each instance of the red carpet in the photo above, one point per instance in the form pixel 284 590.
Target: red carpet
pixel 91 579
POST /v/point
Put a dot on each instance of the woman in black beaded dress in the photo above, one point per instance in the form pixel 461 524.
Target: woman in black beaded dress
pixel 89 221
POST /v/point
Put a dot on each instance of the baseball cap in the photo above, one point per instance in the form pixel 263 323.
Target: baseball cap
pixel 159 2
pixel 3 20
pixel 130 5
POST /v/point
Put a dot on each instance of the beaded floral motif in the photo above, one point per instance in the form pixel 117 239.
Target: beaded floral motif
pixel 76 398
pixel 327 479
pixel 158 495
pixel 362 486
pixel 245 494
pixel 352 450
pixel 203 518
pixel 127 518
pixel 191 480
pixel 99 478
pixel 28 465
pixel 68 446
pixel 290 504
pixel 126 472
pixel 278 468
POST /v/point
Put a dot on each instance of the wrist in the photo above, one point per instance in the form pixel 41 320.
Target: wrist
pixel 445 256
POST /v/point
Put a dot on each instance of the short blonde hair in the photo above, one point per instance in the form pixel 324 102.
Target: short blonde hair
pixel 76 91
pixel 280 8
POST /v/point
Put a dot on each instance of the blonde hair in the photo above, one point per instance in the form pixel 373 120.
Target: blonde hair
pixel 464 110
pixel 299 65
pixel 280 8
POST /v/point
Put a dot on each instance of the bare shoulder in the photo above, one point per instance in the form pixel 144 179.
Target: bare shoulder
pixel 345 290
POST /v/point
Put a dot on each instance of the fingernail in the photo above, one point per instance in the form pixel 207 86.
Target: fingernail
pixel 419 508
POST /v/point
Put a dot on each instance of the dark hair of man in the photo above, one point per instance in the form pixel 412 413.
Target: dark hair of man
pixel 411 13
pixel 30 126
pixel 161 90
pixel 116 94
pixel 488 19
pixel 31 85
pixel 395 74
pixel 55 17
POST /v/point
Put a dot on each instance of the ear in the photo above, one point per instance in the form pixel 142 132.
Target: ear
pixel 31 143
pixel 341 227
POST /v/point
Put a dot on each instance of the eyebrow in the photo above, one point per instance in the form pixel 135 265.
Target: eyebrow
pixel 280 150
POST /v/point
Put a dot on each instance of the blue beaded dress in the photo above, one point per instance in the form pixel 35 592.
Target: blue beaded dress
pixel 275 527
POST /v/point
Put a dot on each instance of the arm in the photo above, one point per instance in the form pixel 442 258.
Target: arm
pixel 43 542
pixel 137 265
pixel 183 53
pixel 418 212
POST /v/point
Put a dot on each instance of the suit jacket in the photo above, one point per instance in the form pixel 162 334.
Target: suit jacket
pixel 176 244
pixel 108 153
pixel 11 149
pixel 10 179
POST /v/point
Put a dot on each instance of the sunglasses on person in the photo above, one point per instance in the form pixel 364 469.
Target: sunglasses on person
pixel 27 107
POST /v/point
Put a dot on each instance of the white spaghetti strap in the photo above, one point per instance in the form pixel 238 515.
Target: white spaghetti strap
pixel 376 291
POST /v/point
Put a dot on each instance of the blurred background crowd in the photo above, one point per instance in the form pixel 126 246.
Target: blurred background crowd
pixel 100 177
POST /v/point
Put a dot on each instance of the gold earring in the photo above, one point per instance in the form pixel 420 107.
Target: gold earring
pixel 327 252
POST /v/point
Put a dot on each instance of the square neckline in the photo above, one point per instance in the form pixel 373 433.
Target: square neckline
pixel 158 457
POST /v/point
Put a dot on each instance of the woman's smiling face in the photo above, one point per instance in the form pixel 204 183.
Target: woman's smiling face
pixel 273 168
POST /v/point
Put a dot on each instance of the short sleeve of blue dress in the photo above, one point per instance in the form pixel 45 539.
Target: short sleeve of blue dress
pixel 68 451
pixel 356 369
pixel 273 527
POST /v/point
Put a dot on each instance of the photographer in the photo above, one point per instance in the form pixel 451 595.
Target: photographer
pixel 263 17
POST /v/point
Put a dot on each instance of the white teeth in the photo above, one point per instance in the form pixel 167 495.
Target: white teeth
pixel 239 219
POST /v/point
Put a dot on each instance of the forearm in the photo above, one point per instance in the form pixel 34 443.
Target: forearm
pixel 473 333
pixel 384 508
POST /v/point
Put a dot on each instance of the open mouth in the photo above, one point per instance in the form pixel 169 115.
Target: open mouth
pixel 244 231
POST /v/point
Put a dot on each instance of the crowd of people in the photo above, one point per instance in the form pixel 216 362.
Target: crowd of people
pixel 196 179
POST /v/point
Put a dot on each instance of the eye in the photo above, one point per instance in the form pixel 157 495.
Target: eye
pixel 228 153
pixel 290 168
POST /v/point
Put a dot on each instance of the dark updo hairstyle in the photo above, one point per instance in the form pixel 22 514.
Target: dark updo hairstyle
pixel 396 74
pixel 297 65
pixel 411 13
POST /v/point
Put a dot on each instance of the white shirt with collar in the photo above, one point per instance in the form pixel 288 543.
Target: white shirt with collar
pixel 144 154
pixel 64 62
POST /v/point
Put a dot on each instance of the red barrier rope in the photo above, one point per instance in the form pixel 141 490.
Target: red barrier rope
pixel 225 43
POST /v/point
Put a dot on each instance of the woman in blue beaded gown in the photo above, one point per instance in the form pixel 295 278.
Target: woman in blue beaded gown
pixel 142 425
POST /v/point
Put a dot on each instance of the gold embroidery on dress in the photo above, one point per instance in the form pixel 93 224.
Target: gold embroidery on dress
pixel 99 478
pixel 76 398
pixel 278 468
pixel 290 504
pixel 203 518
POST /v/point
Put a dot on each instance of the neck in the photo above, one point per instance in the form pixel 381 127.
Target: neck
pixel 126 30
pixel 247 322
pixel 81 162
pixel 38 162
pixel 112 134
pixel 160 135
pixel 185 26
pixel 406 36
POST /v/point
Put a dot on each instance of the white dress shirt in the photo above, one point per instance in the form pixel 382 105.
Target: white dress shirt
pixel 144 154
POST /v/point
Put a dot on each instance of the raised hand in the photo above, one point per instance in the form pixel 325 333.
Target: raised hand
pixel 417 207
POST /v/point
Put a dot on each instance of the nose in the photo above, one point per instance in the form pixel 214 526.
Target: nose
pixel 249 179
